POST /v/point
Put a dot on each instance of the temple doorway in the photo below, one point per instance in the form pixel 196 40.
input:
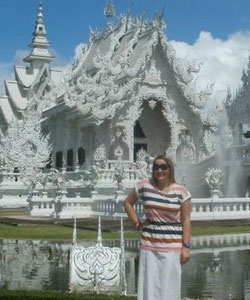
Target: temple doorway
pixel 151 131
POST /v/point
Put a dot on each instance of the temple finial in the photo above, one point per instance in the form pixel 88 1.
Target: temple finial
pixel 109 10
pixel 39 44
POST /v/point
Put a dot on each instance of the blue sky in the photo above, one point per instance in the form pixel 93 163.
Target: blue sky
pixel 196 26
pixel 68 21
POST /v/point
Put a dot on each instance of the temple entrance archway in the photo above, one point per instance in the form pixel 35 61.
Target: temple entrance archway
pixel 151 131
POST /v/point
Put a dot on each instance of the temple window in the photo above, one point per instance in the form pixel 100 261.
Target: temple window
pixel 138 131
pixel 70 159
pixel 81 156
pixel 48 166
pixel 59 159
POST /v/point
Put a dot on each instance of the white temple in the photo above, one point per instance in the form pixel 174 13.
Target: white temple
pixel 124 99
pixel 238 112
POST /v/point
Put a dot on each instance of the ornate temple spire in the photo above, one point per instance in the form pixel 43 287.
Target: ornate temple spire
pixel 39 44
pixel 109 10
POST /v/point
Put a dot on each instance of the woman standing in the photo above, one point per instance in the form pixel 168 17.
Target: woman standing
pixel 165 238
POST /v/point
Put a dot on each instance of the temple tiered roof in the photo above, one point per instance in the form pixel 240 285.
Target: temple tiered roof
pixel 30 79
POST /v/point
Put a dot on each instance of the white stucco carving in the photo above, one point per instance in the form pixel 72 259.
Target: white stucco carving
pixel 24 146
pixel 97 268
pixel 214 178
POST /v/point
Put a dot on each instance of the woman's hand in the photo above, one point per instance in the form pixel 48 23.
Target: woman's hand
pixel 184 255
pixel 143 224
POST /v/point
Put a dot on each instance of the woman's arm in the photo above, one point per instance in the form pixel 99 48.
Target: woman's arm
pixel 128 205
pixel 186 224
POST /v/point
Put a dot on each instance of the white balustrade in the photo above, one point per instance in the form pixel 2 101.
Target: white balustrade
pixel 109 175
pixel 220 208
pixel 61 206
pixel 8 179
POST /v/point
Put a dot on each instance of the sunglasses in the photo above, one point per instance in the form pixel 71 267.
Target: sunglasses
pixel 163 167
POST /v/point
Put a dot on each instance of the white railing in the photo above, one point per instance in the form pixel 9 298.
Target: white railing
pixel 10 178
pixel 112 206
pixel 200 244
pixel 126 164
pixel 109 175
pixel 220 208
pixel 202 209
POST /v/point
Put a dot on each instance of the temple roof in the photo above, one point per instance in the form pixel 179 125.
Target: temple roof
pixel 24 76
pixel 14 93
pixel 17 91
pixel 6 109
pixel 123 43
pixel 131 60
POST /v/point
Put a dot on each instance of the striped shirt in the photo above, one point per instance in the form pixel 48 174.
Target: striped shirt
pixel 163 211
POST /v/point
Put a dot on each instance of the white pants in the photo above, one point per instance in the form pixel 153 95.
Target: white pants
pixel 159 276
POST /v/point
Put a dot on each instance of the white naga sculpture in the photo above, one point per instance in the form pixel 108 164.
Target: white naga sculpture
pixel 98 268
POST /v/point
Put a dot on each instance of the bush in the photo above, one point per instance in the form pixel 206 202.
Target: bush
pixel 56 295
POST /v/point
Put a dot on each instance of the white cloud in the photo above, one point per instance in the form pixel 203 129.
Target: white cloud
pixel 222 60
pixel 20 54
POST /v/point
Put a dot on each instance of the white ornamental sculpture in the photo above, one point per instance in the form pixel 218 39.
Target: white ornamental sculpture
pixel 98 268
pixel 142 163
pixel 100 154
pixel 24 147
pixel 214 178
pixel 208 147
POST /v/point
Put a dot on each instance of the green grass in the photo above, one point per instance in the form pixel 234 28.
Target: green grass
pixel 59 232
pixel 56 232
pixel 220 230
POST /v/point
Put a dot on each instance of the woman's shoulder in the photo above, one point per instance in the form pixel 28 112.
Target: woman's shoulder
pixel 141 185
pixel 179 187
pixel 182 190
